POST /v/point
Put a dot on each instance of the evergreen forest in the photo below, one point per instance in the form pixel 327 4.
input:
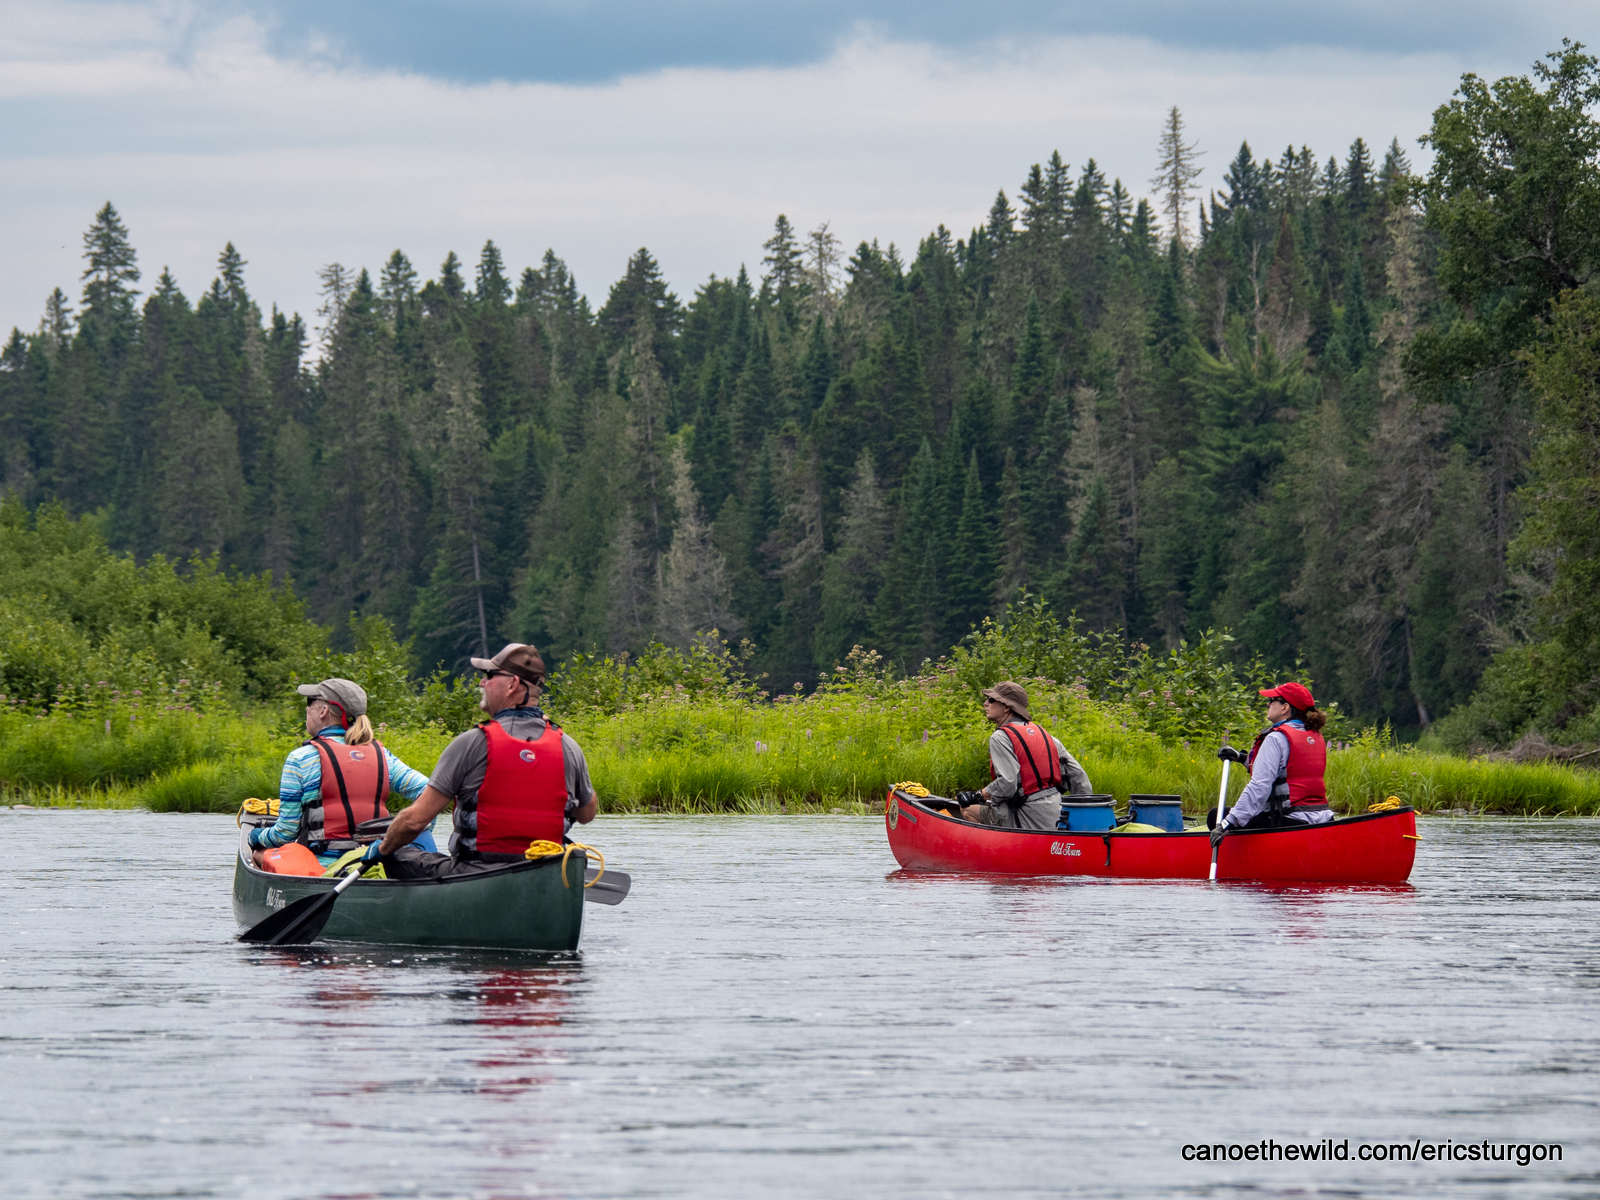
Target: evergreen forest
pixel 1345 410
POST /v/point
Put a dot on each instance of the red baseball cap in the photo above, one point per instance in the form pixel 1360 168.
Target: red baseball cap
pixel 1296 694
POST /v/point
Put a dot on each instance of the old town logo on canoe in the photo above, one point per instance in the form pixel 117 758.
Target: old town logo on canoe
pixel 357 755
pixel 1066 848
pixel 526 756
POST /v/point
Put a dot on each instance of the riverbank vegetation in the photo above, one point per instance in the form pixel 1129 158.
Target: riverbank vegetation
pixel 671 730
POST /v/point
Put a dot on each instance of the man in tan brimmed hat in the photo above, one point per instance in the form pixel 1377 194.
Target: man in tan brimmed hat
pixel 515 779
pixel 1029 767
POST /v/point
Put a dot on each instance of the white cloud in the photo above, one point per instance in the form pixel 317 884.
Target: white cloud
pixel 302 163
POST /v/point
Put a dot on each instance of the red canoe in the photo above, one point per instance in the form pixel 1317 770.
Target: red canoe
pixel 1374 848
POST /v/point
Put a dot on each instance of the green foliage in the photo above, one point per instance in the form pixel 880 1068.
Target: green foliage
pixel 1563 499
pixel 74 614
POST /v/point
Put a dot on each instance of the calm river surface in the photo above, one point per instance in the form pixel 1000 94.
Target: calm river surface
pixel 775 1011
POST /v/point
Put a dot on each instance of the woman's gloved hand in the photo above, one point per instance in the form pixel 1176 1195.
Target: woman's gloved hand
pixel 1220 832
pixel 1229 754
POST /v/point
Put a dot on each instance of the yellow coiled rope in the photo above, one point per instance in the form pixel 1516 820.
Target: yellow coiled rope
pixel 545 849
pixel 1389 805
pixel 910 787
pixel 256 808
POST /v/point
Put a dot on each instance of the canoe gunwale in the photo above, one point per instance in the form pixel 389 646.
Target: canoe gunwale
pixel 326 883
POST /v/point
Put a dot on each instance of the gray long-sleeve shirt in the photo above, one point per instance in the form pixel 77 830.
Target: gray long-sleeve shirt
pixel 1272 761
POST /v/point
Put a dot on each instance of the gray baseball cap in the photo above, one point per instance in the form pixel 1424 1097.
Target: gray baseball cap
pixel 343 694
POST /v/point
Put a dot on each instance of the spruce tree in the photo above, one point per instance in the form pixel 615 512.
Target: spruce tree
pixel 974 557
pixel 1177 170
pixel 111 268
pixel 854 570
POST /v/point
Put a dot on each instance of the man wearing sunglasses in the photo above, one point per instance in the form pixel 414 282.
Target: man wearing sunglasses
pixel 515 779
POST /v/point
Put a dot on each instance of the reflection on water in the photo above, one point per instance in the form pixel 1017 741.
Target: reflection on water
pixel 776 1010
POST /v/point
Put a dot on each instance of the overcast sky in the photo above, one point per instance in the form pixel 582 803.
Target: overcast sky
pixel 312 133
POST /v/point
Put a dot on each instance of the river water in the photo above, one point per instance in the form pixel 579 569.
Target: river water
pixel 776 1011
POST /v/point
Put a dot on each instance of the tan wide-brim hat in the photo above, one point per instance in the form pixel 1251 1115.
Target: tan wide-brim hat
pixel 1013 695
pixel 521 660
pixel 349 697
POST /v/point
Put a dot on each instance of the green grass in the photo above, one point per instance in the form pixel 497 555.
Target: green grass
pixel 674 753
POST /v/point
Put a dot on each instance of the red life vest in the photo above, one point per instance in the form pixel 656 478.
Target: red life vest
pixel 1036 756
pixel 1302 776
pixel 523 797
pixel 355 788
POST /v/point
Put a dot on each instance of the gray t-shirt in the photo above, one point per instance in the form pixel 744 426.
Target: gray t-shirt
pixel 461 768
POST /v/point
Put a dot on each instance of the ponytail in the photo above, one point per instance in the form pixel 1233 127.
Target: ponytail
pixel 360 732
pixel 1314 718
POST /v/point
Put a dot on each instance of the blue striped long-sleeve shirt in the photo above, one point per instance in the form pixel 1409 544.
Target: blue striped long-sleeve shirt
pixel 301 783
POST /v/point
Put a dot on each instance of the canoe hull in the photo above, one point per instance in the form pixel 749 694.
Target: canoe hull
pixel 1375 848
pixel 523 908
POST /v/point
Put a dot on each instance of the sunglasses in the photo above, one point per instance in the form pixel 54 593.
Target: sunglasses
pixel 488 675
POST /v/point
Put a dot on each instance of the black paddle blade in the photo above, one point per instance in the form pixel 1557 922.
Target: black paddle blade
pixel 612 888
pixel 295 924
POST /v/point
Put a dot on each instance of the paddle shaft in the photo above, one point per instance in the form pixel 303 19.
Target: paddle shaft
pixel 1222 798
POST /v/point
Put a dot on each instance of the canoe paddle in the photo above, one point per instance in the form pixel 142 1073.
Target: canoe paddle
pixel 301 922
pixel 1222 796
pixel 612 888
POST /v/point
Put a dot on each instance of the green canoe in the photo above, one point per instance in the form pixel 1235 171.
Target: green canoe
pixel 524 907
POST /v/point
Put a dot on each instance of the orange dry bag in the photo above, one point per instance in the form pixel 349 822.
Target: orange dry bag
pixel 293 859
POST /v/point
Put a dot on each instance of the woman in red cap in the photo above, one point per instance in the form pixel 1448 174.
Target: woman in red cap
pixel 1286 764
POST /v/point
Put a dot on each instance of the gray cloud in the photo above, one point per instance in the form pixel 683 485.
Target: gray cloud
pixel 584 41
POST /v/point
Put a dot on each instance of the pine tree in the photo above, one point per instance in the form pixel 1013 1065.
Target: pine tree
pixel 1094 585
pixel 1358 177
pixel 1030 376
pixel 1244 183
pixel 786 273
pixel 55 327
pixel 397 286
pixel 974 557
pixel 816 372
pixel 1014 571
pixel 1002 221
pixel 695 593
pixel 910 618
pixel 1355 326
pixel 1177 170
pixel 822 271
pixel 854 570
pixel 110 271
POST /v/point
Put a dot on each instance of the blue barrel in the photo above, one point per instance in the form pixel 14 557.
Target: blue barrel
pixel 1088 814
pixel 1164 811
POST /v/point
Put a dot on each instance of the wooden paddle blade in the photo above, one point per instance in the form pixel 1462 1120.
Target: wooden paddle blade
pixel 612 889
pixel 293 925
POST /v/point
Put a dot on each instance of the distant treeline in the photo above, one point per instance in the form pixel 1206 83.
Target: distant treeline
pixel 1305 417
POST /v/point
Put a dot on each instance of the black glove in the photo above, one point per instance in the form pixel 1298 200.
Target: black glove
pixel 1217 834
pixel 967 798
pixel 1229 754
